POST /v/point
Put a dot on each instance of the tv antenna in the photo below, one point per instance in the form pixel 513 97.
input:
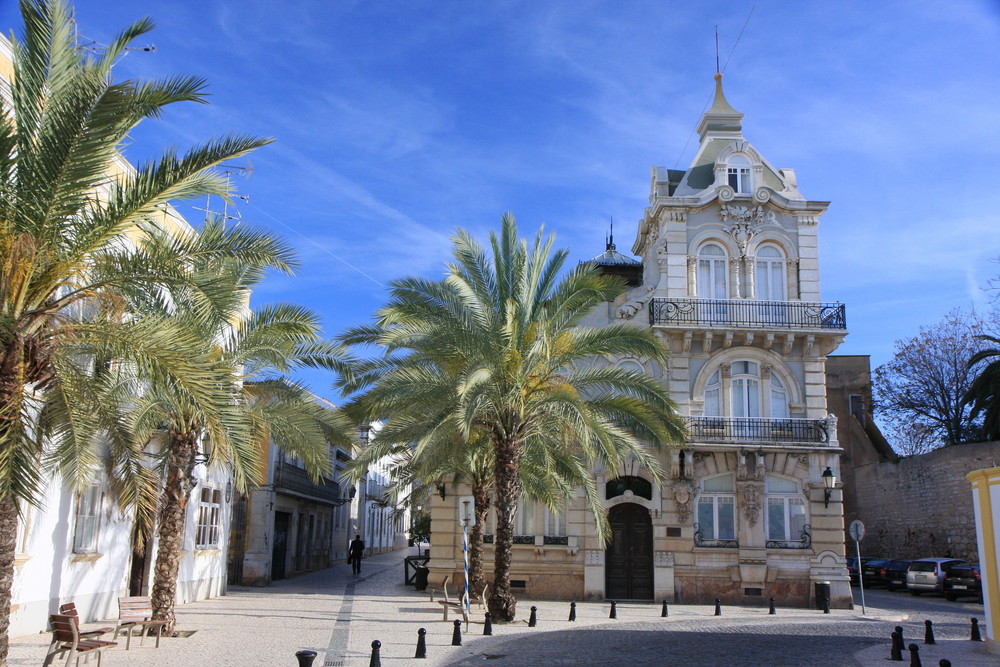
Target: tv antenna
pixel 229 170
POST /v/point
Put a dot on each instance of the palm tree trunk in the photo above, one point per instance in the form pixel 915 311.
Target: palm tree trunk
pixel 477 583
pixel 502 603
pixel 176 491
pixel 8 548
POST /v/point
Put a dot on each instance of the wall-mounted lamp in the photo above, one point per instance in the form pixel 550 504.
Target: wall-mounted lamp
pixel 337 502
pixel 229 491
pixel 442 490
pixel 829 481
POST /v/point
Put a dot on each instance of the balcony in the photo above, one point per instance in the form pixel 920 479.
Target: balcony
pixel 747 313
pixel 291 478
pixel 741 430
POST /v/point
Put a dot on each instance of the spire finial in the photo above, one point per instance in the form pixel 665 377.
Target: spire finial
pixel 611 237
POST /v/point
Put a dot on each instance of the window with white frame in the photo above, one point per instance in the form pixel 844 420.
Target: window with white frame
pixel 209 517
pixel 738 174
pixel 745 377
pixel 713 395
pixel 746 392
pixel 717 508
pixel 555 522
pixel 786 509
pixel 524 522
pixel 87 519
pixel 769 274
pixel 713 272
pixel 779 398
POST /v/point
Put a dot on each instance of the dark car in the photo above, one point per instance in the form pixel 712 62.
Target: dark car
pixel 871 572
pixel 894 574
pixel 963 581
pixel 852 567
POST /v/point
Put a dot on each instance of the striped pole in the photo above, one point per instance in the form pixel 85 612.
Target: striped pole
pixel 465 553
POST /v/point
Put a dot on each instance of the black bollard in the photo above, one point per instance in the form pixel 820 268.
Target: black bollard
pixel 902 643
pixel 771 610
pixel 976 637
pixel 929 632
pixel 915 656
pixel 663 612
pixel 533 619
pixel 456 636
pixel 488 626
pixel 826 604
pixel 896 652
pixel 421 644
pixel 572 611
pixel 376 660
pixel 944 663
pixel 305 658
pixel 614 610
pixel 718 607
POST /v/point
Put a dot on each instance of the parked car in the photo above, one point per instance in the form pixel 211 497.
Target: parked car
pixel 852 567
pixel 963 581
pixel 894 573
pixel 926 575
pixel 871 572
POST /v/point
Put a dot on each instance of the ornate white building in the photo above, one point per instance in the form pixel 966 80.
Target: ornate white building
pixel 728 278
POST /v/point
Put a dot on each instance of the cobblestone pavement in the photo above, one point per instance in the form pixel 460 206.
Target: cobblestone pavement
pixel 338 615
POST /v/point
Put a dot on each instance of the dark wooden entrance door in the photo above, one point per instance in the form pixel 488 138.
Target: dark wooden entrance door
pixel 279 551
pixel 628 562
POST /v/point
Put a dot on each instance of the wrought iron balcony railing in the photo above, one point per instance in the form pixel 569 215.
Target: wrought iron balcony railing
pixel 749 313
pixel 288 477
pixel 743 430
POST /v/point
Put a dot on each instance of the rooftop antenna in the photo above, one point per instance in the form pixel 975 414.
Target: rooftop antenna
pixel 611 238
pixel 229 170
pixel 718 70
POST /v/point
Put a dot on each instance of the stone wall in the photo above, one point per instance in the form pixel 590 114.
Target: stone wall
pixel 921 506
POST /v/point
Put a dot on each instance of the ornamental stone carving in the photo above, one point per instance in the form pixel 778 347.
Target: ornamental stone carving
pixel 682 497
pixel 750 494
pixel 663 558
pixel 628 310
pixel 761 195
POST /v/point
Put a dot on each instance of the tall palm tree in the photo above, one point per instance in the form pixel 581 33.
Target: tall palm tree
pixel 522 371
pixel 254 351
pixel 67 207
pixel 984 392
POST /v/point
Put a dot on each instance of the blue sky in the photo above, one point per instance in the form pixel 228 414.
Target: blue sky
pixel 398 121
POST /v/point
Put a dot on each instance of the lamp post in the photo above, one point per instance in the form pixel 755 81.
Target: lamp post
pixel 829 482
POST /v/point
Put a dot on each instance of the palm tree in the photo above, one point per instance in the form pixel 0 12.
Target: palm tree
pixel 67 208
pixel 521 371
pixel 984 392
pixel 254 352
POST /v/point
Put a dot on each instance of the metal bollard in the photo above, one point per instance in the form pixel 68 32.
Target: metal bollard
pixel 896 652
pixel 826 604
pixel 915 656
pixel 718 607
pixel 770 610
pixel 456 636
pixel 488 626
pixel 614 610
pixel 663 612
pixel 572 611
pixel 902 642
pixel 421 644
pixel 976 637
pixel 376 660
pixel 929 632
pixel 533 619
pixel 944 663
pixel 305 658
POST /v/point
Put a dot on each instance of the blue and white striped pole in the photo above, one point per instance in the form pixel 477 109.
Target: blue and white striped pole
pixel 465 552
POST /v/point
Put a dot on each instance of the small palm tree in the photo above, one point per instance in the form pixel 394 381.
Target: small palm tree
pixel 521 371
pixel 67 210
pixel 984 392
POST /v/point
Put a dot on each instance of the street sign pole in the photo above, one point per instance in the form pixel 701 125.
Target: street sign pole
pixel 857 533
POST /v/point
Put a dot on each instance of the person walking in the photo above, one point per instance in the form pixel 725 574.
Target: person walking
pixel 355 553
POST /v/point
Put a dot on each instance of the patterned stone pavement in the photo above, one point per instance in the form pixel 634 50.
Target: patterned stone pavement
pixel 338 615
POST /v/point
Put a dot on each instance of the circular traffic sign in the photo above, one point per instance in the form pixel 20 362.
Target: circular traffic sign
pixel 856 530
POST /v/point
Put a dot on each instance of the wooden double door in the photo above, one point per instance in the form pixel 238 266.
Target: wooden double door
pixel 628 561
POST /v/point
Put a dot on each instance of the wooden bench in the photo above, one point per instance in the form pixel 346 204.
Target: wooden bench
pixel 69 609
pixel 136 612
pixel 66 640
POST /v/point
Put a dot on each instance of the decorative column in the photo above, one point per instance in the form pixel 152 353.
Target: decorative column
pixel 734 277
pixel 692 275
pixel 751 272
pixel 792 279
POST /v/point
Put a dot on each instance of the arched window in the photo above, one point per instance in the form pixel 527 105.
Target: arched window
pixel 738 174
pixel 745 389
pixel 747 392
pixel 713 395
pixel 786 510
pixel 779 398
pixel 769 273
pixel 713 273
pixel 717 508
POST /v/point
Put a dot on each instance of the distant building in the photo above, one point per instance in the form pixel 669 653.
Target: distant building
pixel 727 276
